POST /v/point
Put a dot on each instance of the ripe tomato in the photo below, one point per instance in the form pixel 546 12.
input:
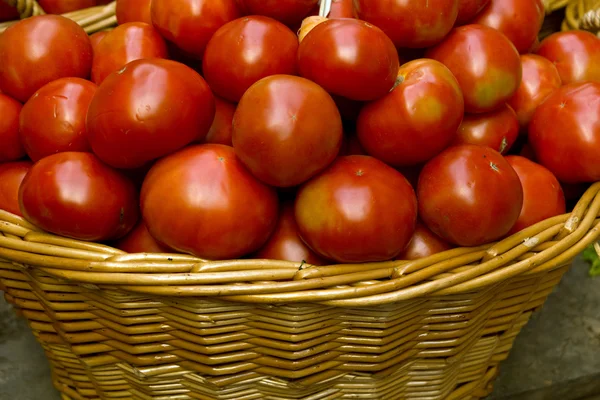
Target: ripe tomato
pixel 468 9
pixel 127 42
pixel 497 129
pixel 342 9
pixel 96 38
pixel 358 210
pixel 220 131
pixel 416 120
pixel 469 195
pixel 133 11
pixel 576 54
pixel 139 240
pixel 150 108
pixel 8 12
pixel 424 243
pixel 65 6
pixel 246 50
pixel 210 187
pixel 519 20
pixel 565 132
pixel 286 129
pixel 75 195
pixel 38 50
pixel 543 196
pixel 11 176
pixel 540 78
pixel 190 24
pixel 11 148
pixel 370 72
pixel 289 12
pixel 485 63
pixel 410 23
pixel 53 119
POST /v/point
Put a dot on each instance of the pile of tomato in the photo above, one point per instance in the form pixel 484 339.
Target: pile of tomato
pixel 256 128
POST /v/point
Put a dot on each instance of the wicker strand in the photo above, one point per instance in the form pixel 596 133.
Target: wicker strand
pixel 26 8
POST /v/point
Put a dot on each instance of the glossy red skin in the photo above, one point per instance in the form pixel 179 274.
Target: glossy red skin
pixel 53 119
pixel 416 120
pixel 543 196
pixel 424 243
pixel 125 43
pixel 565 132
pixel 191 23
pixel 210 187
pixel 410 23
pixel 38 50
pixel 358 210
pixel 519 20
pixel 289 12
pixel 246 50
pixel 65 6
pixel 221 129
pixel 75 195
pixel 11 176
pixel 285 243
pixel 286 129
pixel 139 240
pixel 576 55
pixel 468 9
pixel 96 38
pixel 8 12
pixel 369 74
pixel 342 9
pixel 540 78
pixel 151 108
pixel 496 129
pixel 11 148
pixel 469 195
pixel 485 63
pixel 133 11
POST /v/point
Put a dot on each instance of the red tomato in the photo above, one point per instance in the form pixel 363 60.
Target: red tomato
pixel 410 23
pixel 285 244
pixel 246 50
pixel 469 195
pixel 11 148
pixel 38 50
pixel 468 9
pixel 191 23
pixel 519 20
pixel 576 54
pixel 139 240
pixel 485 63
pixel 543 197
pixel 370 71
pixel 150 108
pixel 11 176
pixel 424 243
pixel 497 129
pixel 290 12
pixel 8 12
pixel 210 187
pixel 53 119
pixel 565 132
pixel 286 129
pixel 358 210
pixel 75 195
pixel 65 6
pixel 540 78
pixel 342 9
pixel 416 120
pixel 125 43
pixel 133 11
pixel 220 131
pixel 96 38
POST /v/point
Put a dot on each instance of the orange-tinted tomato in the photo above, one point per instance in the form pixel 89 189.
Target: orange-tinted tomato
pixel 424 243
pixel 220 130
pixel 11 176
pixel 11 148
pixel 133 11
pixel 468 9
pixel 139 240
pixel 290 12
pixel 96 38
pixel 65 6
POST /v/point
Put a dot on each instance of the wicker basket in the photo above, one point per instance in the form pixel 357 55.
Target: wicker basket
pixel 157 326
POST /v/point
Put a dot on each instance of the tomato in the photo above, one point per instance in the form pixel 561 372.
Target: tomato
pixel 285 244
pixel 139 240
pixel 565 132
pixel 576 54
pixel 11 148
pixel 497 129
pixel 133 11
pixel 485 63
pixel 8 12
pixel 540 78
pixel 210 187
pixel 469 195
pixel 127 42
pixel 410 23
pixel 424 243
pixel 351 146
pixel 75 195
pixel 286 129
pixel 11 176
pixel 150 108
pixel 519 20
pixel 342 9
pixel 289 12
pixel 38 50
pixel 416 120
pixel 358 210
pixel 191 23
pixel 53 119
pixel 543 196
pixel 468 9
pixel 370 72
pixel 220 130
pixel 96 38
pixel 65 6
pixel 246 50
